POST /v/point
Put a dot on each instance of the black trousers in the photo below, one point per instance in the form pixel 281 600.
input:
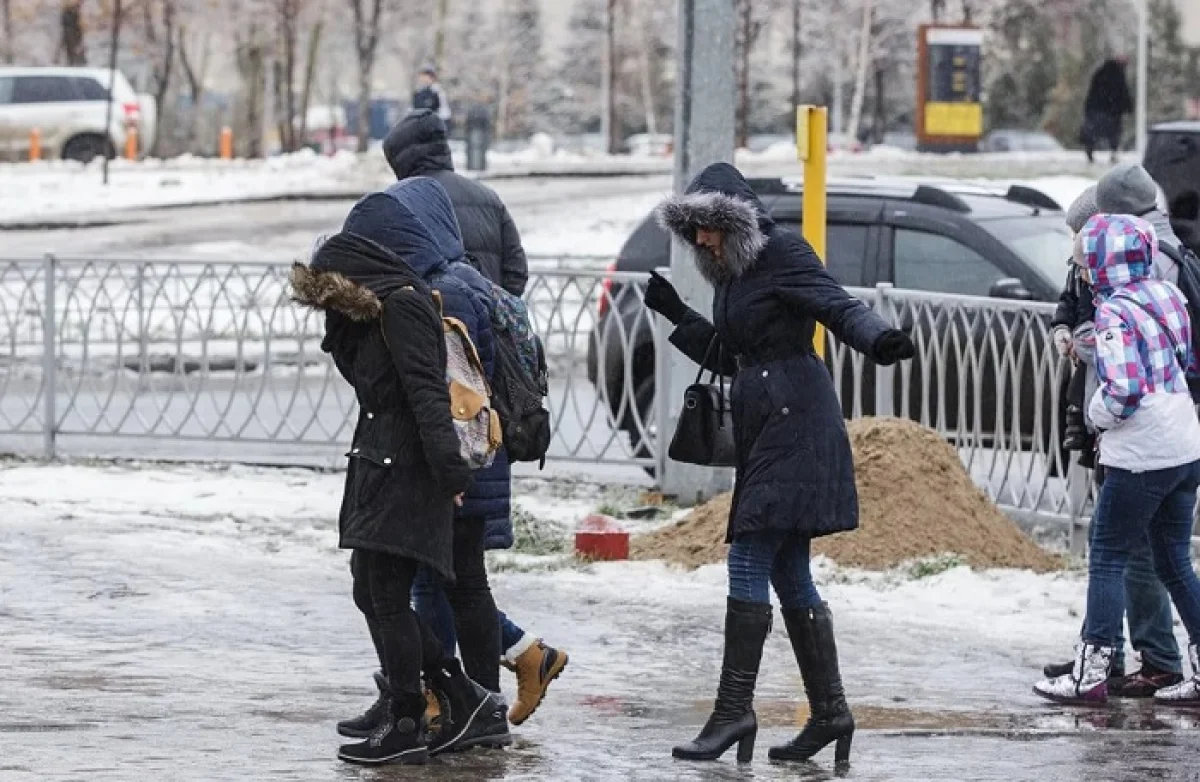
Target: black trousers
pixel 382 591
pixel 1077 386
pixel 470 598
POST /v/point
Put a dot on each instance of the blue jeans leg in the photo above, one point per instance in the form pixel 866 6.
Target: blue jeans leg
pixel 510 633
pixel 1171 541
pixel 759 559
pixel 1148 608
pixel 431 604
pixel 792 575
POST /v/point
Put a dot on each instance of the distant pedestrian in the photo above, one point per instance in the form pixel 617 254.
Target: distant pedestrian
pixel 1149 449
pixel 795 471
pixel 1108 101
pixel 430 95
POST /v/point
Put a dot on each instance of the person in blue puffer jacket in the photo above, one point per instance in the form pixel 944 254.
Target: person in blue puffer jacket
pixel 472 614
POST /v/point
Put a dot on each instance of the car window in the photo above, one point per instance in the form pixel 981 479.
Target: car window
pixel 845 250
pixel 931 262
pixel 6 87
pixel 42 89
pixel 88 89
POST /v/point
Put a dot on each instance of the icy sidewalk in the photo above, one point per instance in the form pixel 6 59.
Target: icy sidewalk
pixel 196 624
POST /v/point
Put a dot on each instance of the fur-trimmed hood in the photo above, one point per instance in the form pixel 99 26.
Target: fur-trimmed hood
pixel 351 275
pixel 719 199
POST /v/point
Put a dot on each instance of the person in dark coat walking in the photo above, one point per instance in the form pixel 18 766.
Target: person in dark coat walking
pixel 1108 101
pixel 417 147
pixel 795 474
pixel 405 475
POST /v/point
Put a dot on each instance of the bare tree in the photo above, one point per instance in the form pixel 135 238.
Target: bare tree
pixel 310 75
pixel 6 13
pixel 196 72
pixel 797 51
pixel 860 74
pixel 610 129
pixel 748 29
pixel 441 17
pixel 367 15
pixel 251 56
pixel 71 44
pixel 159 23
pixel 283 69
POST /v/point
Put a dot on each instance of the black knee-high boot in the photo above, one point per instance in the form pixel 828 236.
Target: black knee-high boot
pixel 733 720
pixel 811 634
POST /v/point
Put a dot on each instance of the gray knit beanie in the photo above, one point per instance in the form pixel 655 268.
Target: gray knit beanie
pixel 1127 190
pixel 1082 209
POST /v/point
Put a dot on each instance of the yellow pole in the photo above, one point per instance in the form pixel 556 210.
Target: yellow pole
pixel 811 145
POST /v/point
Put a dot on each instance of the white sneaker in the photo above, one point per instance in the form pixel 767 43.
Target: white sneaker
pixel 1187 692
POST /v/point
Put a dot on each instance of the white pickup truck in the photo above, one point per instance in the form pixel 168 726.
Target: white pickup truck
pixel 68 107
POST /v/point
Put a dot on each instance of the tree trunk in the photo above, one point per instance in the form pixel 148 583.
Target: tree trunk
pixel 71 20
pixel 796 52
pixel 745 10
pixel 879 120
pixel 310 74
pixel 162 74
pixel 366 40
pixel 6 11
pixel 195 73
pixel 860 78
pixel 647 77
pixel 608 88
pixel 252 65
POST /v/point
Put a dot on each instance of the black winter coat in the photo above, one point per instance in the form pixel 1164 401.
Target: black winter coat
pixel 417 146
pixel 1076 303
pixel 795 471
pixel 405 468
pixel 1109 91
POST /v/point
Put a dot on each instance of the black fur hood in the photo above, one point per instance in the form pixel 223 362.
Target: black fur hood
pixel 719 199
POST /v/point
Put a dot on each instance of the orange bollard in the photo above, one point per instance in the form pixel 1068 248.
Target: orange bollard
pixel 35 145
pixel 131 144
pixel 226 143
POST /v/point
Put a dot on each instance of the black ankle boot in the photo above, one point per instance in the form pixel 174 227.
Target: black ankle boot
pixel 398 738
pixel 811 633
pixel 361 726
pixel 471 716
pixel 733 720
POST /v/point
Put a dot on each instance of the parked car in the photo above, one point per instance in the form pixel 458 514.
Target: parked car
pixel 930 235
pixel 1019 141
pixel 1173 159
pixel 900 139
pixel 68 106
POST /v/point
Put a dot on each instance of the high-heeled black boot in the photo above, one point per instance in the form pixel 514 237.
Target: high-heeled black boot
pixel 733 720
pixel 811 633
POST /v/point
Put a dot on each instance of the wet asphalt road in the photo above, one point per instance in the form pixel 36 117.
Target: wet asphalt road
pixel 140 642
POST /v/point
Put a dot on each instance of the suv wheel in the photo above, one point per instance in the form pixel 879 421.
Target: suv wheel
pixel 85 149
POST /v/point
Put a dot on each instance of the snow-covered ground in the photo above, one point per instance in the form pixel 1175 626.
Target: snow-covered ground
pixel 195 623
pixel 55 190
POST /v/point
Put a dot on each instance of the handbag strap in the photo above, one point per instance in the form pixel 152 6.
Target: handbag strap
pixel 715 342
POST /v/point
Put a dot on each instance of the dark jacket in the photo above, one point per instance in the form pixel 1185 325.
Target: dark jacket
pixel 1109 91
pixel 795 472
pixel 1076 304
pixel 385 336
pixel 384 218
pixel 417 147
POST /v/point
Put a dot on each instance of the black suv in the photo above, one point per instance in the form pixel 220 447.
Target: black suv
pixel 1173 159
pixel 928 235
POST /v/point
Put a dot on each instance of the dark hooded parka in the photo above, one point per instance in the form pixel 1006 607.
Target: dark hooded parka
pixel 385 336
pixel 795 473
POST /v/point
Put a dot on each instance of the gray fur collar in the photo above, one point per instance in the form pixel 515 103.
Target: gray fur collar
pixel 332 291
pixel 734 217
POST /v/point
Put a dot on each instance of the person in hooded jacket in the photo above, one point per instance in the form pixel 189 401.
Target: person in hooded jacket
pixel 394 219
pixel 1149 448
pixel 405 473
pixel 795 474
pixel 417 146
pixel 1107 102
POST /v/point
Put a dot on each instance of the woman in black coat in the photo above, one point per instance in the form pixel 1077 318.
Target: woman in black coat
pixel 795 476
pixel 404 477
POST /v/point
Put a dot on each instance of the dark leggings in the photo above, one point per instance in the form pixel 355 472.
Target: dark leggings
pixel 471 600
pixel 382 591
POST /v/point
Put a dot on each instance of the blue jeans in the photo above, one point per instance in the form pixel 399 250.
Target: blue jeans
pixel 431 603
pixel 1132 508
pixel 758 560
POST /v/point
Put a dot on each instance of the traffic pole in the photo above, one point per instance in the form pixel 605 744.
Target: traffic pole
pixel 226 143
pixel 811 146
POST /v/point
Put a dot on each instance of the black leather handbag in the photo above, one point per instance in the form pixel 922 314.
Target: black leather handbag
pixel 704 434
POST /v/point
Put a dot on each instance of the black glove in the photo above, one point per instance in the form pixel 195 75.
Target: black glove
pixel 661 297
pixel 894 346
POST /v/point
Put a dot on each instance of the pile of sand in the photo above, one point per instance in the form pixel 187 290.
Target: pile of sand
pixel 915 500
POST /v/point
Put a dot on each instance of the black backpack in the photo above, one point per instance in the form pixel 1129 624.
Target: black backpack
pixel 520 380
pixel 1189 286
